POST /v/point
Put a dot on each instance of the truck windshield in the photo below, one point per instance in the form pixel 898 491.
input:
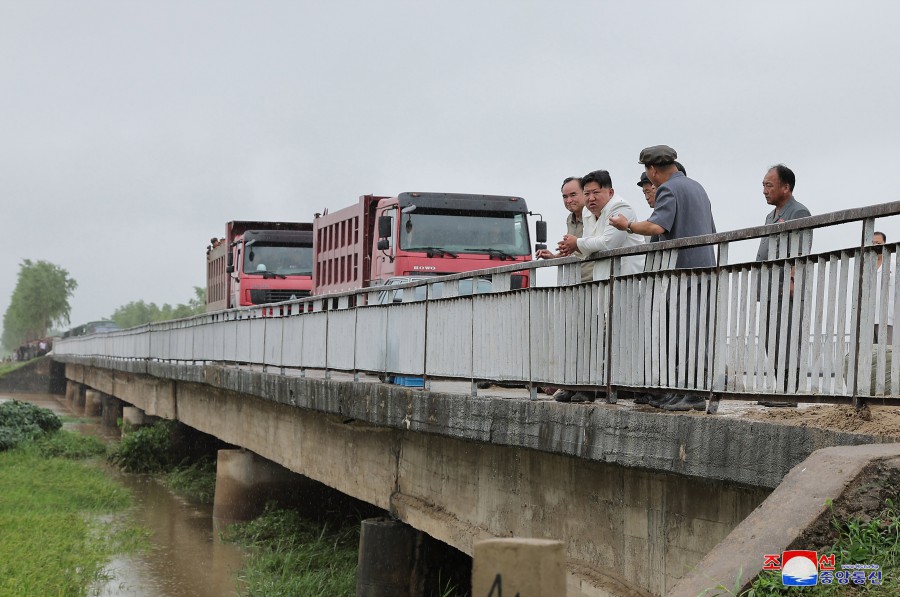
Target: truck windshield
pixel 471 232
pixel 286 260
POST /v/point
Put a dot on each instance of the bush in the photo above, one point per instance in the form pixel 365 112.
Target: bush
pixel 21 421
pixel 147 450
pixel 196 481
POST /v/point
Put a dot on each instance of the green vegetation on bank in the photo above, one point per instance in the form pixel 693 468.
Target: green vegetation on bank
pixel 146 450
pixel 155 450
pixel 55 509
pixel 289 555
pixel 20 422
pixel 195 481
pixel 876 541
pixel 7 367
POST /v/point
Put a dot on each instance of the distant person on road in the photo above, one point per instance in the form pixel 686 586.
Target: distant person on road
pixel 574 200
pixel 681 209
pixel 879 238
pixel 599 235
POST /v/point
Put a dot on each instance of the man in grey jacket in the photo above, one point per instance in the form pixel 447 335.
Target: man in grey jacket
pixel 778 189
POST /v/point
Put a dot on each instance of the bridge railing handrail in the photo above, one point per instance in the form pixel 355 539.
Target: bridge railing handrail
pixel 728 329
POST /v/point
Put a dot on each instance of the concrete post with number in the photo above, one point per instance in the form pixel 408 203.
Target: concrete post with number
pixel 523 567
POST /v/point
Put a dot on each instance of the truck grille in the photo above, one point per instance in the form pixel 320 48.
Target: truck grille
pixel 263 297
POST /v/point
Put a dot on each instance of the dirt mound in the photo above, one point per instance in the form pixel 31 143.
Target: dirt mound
pixel 871 420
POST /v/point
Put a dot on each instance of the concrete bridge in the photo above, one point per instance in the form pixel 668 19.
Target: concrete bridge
pixel 637 496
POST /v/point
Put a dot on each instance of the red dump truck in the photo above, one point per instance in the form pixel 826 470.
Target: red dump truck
pixel 259 263
pixel 379 238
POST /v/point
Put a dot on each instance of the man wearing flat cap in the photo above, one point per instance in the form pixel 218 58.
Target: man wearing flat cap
pixel 681 209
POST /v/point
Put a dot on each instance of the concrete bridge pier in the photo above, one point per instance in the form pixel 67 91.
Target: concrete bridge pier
pixel 110 410
pixel 244 483
pixel 133 418
pixel 390 559
pixel 78 398
pixel 71 389
pixel 93 403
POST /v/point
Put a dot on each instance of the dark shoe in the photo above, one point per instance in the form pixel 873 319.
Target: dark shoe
pixel 660 400
pixel 686 403
pixel 563 395
pixel 772 404
pixel 642 398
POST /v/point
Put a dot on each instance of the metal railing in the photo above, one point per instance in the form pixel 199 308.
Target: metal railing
pixel 799 324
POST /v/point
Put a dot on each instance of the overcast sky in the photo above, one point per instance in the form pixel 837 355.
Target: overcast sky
pixel 130 132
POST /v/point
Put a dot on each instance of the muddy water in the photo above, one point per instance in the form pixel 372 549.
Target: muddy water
pixel 184 558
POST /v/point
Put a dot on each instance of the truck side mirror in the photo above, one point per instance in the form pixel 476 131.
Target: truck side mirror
pixel 229 263
pixel 385 223
pixel 384 244
pixel 540 231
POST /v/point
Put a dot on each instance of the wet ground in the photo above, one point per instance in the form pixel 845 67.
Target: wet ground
pixel 184 558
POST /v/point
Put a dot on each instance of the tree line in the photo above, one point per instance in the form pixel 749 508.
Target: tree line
pixel 40 303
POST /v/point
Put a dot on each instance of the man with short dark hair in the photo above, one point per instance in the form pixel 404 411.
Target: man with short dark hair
pixel 574 200
pixel 599 235
pixel 778 189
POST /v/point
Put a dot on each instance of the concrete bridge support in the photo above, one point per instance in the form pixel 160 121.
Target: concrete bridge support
pixel 111 410
pixel 71 388
pixel 133 418
pixel 391 559
pixel 244 483
pixel 78 399
pixel 93 403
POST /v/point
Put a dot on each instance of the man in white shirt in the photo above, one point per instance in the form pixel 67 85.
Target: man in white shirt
pixel 599 235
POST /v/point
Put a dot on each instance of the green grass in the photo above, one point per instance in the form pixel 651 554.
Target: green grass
pixel 53 538
pixel 11 366
pixel 292 556
pixel 195 482
pixel 67 444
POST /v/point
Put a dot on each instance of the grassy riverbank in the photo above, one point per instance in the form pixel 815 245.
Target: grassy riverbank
pixel 6 367
pixel 292 556
pixel 55 535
